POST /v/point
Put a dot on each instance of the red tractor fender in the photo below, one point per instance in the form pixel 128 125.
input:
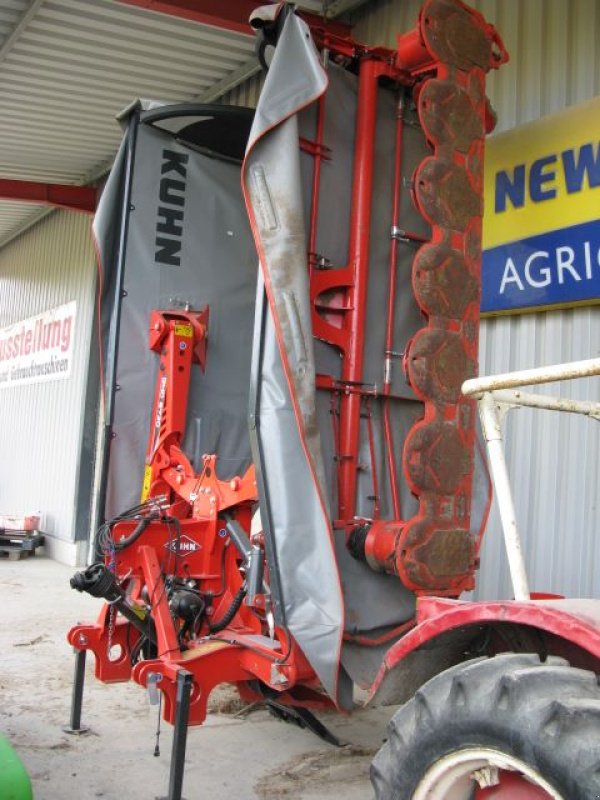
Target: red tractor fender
pixel 447 629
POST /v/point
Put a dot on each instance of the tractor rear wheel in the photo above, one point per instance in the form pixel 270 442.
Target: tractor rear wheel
pixel 505 728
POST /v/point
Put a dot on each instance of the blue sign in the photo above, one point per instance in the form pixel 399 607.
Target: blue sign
pixel 559 267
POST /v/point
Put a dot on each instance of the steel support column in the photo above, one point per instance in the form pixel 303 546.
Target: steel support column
pixel 185 681
pixel 75 727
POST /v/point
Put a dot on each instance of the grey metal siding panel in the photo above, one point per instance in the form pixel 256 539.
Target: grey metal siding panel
pixel 378 22
pixel 40 441
pixel 554 460
pixel 246 94
pixel 11 14
pixel 15 214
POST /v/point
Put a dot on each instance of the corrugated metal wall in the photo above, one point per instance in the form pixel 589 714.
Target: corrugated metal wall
pixel 552 45
pixel 554 460
pixel 42 424
pixel 246 94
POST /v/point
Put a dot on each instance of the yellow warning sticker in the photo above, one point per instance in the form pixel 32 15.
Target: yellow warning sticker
pixel 183 329
pixel 146 484
pixel 137 610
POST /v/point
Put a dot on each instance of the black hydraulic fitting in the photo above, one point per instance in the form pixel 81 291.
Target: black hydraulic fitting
pixel 99 581
pixel 356 541
pixel 187 604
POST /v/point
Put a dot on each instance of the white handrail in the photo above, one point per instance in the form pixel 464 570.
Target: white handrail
pixel 516 397
pixel 530 377
pixel 491 426
pixel 493 400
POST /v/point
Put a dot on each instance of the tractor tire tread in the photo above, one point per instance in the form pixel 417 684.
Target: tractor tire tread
pixel 539 712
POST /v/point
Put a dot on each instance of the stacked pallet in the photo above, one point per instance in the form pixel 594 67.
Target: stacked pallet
pixel 20 535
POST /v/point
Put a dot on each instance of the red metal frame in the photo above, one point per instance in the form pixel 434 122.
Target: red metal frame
pixel 239 654
pixel 231 15
pixel 341 321
pixel 73 198
pixel 249 648
pixel 433 552
pixel 190 543
pixel 574 623
pixel 179 338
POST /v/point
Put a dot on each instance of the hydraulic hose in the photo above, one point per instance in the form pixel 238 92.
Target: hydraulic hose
pixel 135 534
pixel 231 611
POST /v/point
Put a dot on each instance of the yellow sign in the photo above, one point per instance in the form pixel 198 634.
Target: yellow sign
pixel 183 329
pixel 146 484
pixel 541 228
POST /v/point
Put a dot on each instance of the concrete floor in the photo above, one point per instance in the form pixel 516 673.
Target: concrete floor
pixel 230 758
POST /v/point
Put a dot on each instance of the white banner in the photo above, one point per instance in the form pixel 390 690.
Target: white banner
pixel 38 349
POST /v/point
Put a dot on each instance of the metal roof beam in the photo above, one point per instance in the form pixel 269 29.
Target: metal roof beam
pixel 28 14
pixel 73 198
pixel 232 15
